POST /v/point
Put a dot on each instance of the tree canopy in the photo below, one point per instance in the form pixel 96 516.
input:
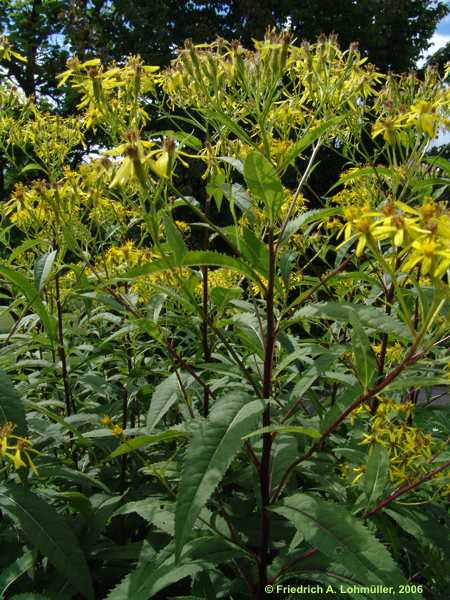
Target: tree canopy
pixel 393 33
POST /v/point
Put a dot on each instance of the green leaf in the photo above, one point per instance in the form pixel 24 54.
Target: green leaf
pixel 32 167
pixel 254 250
pixel 215 442
pixel 377 472
pixel 438 161
pixel 263 181
pixel 164 397
pixel 307 218
pixel 32 296
pixel 342 538
pixel 307 140
pixel 232 125
pixel 82 479
pixel 29 596
pixel 155 511
pixel 11 407
pixel 285 429
pixel 15 570
pixel 234 162
pixel 23 247
pixel 49 533
pixel 237 194
pixel 42 269
pixel 146 440
pixel 365 363
pixel 174 239
pixel 150 577
pixel 197 258
pixel 372 317
pixel 363 172
pixel 215 188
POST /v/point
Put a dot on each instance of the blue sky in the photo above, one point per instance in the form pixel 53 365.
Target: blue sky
pixel 440 38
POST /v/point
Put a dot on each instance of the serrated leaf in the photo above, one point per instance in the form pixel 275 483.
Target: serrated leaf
pixel 422 525
pixel 307 218
pixel 215 443
pixel 15 570
pixel 32 296
pixel 155 511
pixel 29 596
pixel 11 407
pixel 197 258
pixel 365 363
pixel 263 181
pixel 234 162
pixel 82 479
pixel 49 533
pixel 174 239
pixel 32 167
pixel 42 268
pixel 377 472
pixel 307 140
pixel 232 125
pixel 151 577
pixel 371 316
pixel 164 397
pixel 439 162
pixel 313 433
pixel 342 538
pixel 23 247
pixel 146 440
pixel 215 188
pixel 237 194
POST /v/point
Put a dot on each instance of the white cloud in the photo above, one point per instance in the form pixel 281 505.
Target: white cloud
pixel 437 41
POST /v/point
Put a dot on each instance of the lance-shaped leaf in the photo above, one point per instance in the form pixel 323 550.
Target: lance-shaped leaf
pixel 263 181
pixel 215 442
pixel 42 269
pixel 146 440
pixel 32 296
pixel 377 471
pixel 50 534
pixel 307 140
pixel 365 362
pixel 11 407
pixel 164 397
pixel 15 570
pixel 154 575
pixel 305 219
pixel 371 316
pixel 343 539
pixel 197 258
pixel 174 239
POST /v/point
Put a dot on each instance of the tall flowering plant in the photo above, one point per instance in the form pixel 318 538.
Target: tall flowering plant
pixel 227 388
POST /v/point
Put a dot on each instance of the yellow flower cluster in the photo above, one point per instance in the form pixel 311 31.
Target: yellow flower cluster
pixel 41 206
pixel 114 428
pixel 409 448
pixel 125 257
pixel 421 234
pixel 223 277
pixel 111 97
pixel 394 352
pixel 408 107
pixel 15 449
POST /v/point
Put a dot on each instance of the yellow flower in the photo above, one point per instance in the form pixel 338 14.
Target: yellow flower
pixel 431 256
pixel 423 115
pixel 116 430
pixel 359 473
pixel 388 127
